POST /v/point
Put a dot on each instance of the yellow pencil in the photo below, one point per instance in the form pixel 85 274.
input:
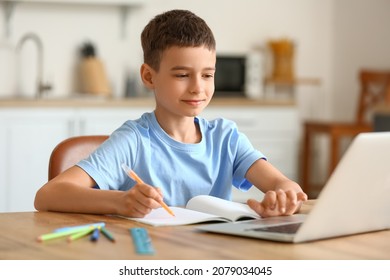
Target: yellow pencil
pixel 135 177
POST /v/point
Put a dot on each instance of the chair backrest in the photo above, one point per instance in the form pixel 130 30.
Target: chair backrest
pixel 375 89
pixel 70 151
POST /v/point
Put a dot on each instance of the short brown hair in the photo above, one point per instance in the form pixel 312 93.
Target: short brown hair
pixel 180 28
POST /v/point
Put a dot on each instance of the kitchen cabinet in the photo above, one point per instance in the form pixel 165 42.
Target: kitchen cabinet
pixel 272 130
pixel 28 135
pixel 124 5
pixel 95 121
pixel 27 138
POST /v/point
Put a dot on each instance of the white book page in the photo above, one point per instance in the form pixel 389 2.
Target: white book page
pixel 160 217
pixel 221 207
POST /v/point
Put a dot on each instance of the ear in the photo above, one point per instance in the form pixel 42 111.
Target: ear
pixel 147 75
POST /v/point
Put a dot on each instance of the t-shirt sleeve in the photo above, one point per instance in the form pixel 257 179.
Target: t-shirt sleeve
pixel 104 164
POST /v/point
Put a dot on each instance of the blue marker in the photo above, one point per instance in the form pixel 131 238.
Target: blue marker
pixel 95 235
pixel 80 227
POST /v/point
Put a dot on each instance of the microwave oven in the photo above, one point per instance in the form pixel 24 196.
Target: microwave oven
pixel 238 75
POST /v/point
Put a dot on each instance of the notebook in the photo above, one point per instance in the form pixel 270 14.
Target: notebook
pixel 200 209
pixel 355 199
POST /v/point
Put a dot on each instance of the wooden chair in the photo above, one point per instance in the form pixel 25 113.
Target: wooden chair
pixel 375 89
pixel 70 151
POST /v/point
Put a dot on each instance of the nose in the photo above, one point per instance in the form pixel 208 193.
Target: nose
pixel 197 85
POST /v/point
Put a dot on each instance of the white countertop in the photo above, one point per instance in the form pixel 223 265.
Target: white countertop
pixel 128 102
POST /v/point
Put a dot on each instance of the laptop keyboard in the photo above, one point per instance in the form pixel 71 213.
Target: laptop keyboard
pixel 287 228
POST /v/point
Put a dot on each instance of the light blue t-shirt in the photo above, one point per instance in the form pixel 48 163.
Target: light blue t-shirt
pixel 220 160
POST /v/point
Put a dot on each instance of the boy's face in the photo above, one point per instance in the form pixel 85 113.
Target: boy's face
pixel 184 84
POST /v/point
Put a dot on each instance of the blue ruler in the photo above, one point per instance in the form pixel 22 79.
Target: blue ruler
pixel 142 242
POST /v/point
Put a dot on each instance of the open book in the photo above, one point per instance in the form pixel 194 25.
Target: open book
pixel 200 209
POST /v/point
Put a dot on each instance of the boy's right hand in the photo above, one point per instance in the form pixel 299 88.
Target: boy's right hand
pixel 140 200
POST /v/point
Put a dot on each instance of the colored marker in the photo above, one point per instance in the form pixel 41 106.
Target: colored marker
pixel 107 234
pixel 85 226
pixel 80 234
pixel 95 235
pixel 136 178
pixel 53 235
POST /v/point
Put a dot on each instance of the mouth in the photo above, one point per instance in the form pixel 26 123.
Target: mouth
pixel 194 102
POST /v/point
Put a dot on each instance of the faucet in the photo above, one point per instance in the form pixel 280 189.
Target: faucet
pixel 41 86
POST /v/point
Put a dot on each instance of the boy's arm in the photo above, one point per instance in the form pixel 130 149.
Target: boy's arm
pixel 282 195
pixel 72 191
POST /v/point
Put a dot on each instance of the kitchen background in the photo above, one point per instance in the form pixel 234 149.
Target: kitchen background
pixel 333 40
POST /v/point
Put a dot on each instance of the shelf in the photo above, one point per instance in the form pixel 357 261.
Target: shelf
pixel 93 101
pixel 124 5
pixel 286 88
pixel 293 82
pixel 84 2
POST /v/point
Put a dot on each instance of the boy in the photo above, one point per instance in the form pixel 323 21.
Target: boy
pixel 171 148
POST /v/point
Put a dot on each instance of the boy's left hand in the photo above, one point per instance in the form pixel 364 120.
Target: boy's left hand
pixel 278 203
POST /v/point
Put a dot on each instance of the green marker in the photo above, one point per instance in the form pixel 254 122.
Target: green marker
pixel 80 234
pixel 107 234
pixel 53 235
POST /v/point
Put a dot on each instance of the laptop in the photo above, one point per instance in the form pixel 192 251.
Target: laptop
pixel 355 199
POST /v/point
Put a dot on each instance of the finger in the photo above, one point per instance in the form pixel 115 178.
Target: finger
pixel 267 207
pixel 150 192
pixel 256 206
pixel 281 198
pixel 269 200
pixel 134 207
pixel 302 196
pixel 142 203
pixel 146 197
pixel 292 202
pixel 139 211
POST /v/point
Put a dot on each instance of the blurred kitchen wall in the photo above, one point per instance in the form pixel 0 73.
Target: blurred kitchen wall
pixel 333 39
pixel 361 39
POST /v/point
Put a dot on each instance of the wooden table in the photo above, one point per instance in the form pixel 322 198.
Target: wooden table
pixel 20 230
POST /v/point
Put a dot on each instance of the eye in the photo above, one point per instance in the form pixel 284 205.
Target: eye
pixel 208 75
pixel 181 75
